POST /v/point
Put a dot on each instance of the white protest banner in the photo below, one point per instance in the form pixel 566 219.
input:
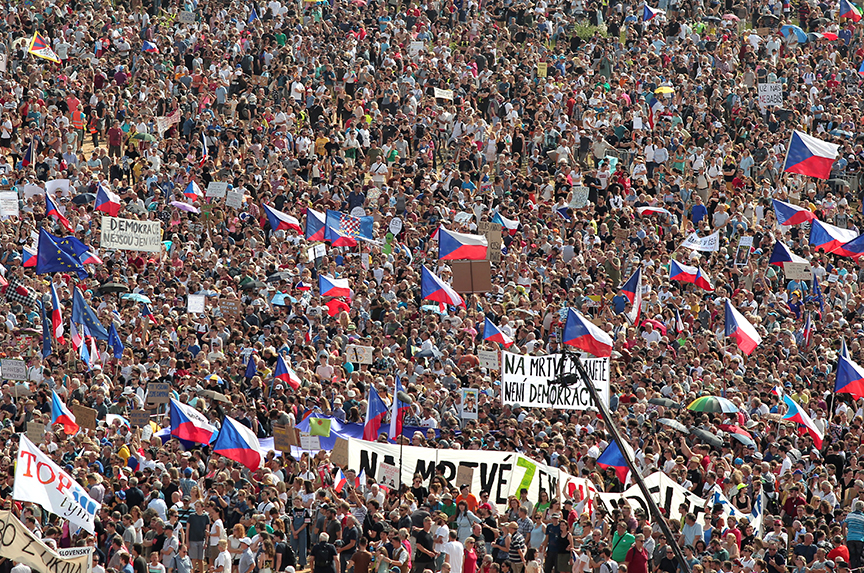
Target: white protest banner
pixel 316 251
pixel 57 187
pixel 710 244
pixel 131 235
pixel 500 473
pixel 234 199
pixel 525 380
pixel 488 359
pixel 667 494
pixel 195 304
pixel 39 480
pixel 164 123
pixel 217 189
pixel 17 543
pixel 469 403
pixel 770 95
pixel 443 94
pixel 8 204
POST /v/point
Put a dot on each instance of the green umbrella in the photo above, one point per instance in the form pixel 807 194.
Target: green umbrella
pixel 712 404
pixel 143 136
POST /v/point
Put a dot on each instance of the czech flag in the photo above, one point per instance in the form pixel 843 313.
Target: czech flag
pixel 51 211
pixel 649 13
pixel 782 254
pixel 844 350
pixel 789 214
pixel 512 225
pixel 853 249
pixel 808 331
pixel 205 154
pixel 330 286
pixel 679 323
pixel 613 457
pixel 687 274
pixel 339 481
pixel 192 191
pixel 56 316
pixel 189 424
pixel 632 289
pixel 741 330
pixel 797 414
pixel 107 202
pixel 281 221
pixel 286 374
pixel 810 156
pixel 655 106
pixel 149 47
pixel 29 155
pixel 460 246
pixel 583 334
pixel 435 289
pixel 376 409
pixel 849 10
pixel 28 257
pixel 830 238
pixel 60 414
pixel 302 286
pixel 315 225
pixel 491 333
pixel 652 211
pixel 237 442
pixel 147 313
pixel 850 377
pixel 397 410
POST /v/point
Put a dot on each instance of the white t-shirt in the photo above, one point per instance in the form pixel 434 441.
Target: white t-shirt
pixel 443 532
pixel 216 532
pixel 224 559
pixel 455 552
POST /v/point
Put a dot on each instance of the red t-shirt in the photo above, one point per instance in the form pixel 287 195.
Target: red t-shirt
pixel 637 560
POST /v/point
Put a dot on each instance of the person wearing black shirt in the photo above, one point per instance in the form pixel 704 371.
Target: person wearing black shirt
pixel 424 555
pixel 774 559
pixel 322 557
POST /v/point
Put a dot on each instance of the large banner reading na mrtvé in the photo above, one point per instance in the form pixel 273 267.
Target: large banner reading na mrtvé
pixel 525 380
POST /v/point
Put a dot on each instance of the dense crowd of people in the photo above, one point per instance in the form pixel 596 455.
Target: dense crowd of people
pixel 561 119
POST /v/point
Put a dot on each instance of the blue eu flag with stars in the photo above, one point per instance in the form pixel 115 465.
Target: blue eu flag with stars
pixel 50 258
pixel 83 314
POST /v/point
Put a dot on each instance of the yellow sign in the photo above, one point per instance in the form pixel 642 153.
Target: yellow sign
pixel 541 70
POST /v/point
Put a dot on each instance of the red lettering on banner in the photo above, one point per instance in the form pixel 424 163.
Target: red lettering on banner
pixel 30 458
pixel 63 483
pixel 39 467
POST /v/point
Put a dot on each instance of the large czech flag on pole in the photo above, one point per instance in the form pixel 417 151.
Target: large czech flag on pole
pixel 107 202
pixel 376 410
pixel 789 214
pixel 286 374
pixel 810 156
pixel 649 13
pixel 632 289
pixel 397 410
pixel 189 424
pixel 850 377
pixel 493 334
pixel 583 334
pixel 687 274
pixel 237 442
pixel 830 238
pixel 435 289
pixel 849 10
pixel 461 246
pixel 853 249
pixel 280 221
pixel 315 225
pixel 741 330
pixel 797 414
pixel 60 414
pixel 782 254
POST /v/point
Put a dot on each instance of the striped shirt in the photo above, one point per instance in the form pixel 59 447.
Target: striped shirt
pixel 854 526
pixel 517 543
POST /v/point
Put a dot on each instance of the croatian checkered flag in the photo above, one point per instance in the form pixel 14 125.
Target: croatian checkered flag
pixel 16 292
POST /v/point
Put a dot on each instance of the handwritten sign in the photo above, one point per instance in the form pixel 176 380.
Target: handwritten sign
pixel 234 199
pixel 217 189
pixel 492 232
pixel 443 94
pixel 158 392
pixel 310 443
pixel 139 418
pixel 798 271
pixel 339 455
pixel 195 304
pixel 186 17
pixel 488 359
pixel 231 307
pixel 282 438
pixel 542 69
pixel 388 475
pixel 358 354
pixel 35 432
pixel 464 475
pixel 84 416
pixel 13 369
pixel 8 204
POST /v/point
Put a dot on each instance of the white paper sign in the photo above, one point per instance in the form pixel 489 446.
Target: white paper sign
pixel 468 407
pixel 358 354
pixel 711 243
pixel 637 122
pixel 770 95
pixel 798 271
pixel 217 189
pixel 185 17
pixel 388 475
pixel 31 190
pixel 39 480
pixel 415 47
pixel 195 304
pixel 443 94
pixel 234 199
pixel 525 380
pixel 316 251
pixel 8 204
pixel 395 225
pixel 358 212
pixel 131 235
pixel 13 369
pixel 488 359
pixel 308 442
pixel 58 187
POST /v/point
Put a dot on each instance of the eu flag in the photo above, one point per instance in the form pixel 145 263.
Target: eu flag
pixel 83 314
pixel 71 245
pixel 46 333
pixel 115 343
pixel 251 370
pixel 50 258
